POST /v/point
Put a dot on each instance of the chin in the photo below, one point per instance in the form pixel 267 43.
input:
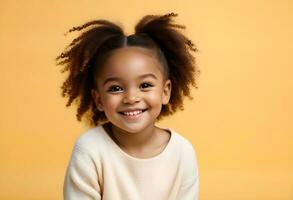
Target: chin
pixel 132 127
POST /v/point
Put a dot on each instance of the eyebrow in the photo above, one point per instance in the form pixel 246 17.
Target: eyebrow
pixel 118 79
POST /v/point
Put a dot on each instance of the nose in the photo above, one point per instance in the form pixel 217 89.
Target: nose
pixel 131 96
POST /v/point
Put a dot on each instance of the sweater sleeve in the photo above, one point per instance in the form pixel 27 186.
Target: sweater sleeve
pixel 190 185
pixel 81 179
pixel 189 191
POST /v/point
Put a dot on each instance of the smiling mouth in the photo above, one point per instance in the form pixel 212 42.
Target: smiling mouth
pixel 133 113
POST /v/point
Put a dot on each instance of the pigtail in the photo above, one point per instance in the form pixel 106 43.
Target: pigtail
pixel 77 59
pixel 177 49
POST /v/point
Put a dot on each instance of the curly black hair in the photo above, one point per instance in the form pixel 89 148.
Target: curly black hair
pixel 158 33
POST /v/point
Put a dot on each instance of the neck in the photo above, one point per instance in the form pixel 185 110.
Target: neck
pixel 133 141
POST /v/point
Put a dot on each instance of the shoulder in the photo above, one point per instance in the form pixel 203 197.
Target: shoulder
pixel 185 145
pixel 90 140
pixel 188 156
pixel 186 149
pixel 88 150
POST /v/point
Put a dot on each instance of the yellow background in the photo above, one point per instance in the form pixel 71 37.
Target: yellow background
pixel 240 121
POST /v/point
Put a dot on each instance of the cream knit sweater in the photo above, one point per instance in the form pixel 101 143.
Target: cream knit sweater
pixel 100 170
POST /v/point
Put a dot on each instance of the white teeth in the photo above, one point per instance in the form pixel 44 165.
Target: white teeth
pixel 132 113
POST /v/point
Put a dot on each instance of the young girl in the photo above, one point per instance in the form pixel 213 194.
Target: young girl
pixel 126 84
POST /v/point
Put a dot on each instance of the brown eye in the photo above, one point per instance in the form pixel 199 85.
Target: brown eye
pixel 114 88
pixel 146 85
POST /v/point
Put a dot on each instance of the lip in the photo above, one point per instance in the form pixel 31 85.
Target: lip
pixel 134 109
pixel 132 117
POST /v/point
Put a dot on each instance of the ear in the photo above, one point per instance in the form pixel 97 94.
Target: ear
pixel 96 97
pixel 166 92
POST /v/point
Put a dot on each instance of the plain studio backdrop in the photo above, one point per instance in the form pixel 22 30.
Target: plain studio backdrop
pixel 240 120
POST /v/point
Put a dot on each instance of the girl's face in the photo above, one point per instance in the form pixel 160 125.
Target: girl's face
pixel 131 89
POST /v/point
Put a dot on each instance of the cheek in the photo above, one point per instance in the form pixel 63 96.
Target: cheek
pixel 110 102
pixel 155 99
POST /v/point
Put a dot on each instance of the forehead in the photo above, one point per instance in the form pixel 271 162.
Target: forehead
pixel 131 61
